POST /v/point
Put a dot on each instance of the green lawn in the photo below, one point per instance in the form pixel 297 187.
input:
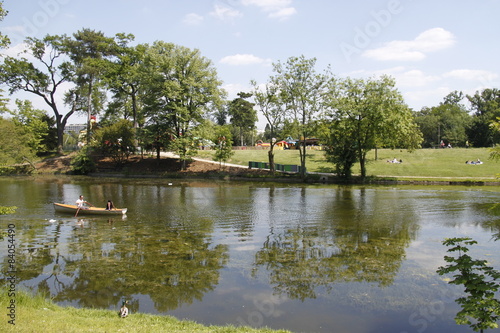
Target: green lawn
pixel 36 314
pixel 441 163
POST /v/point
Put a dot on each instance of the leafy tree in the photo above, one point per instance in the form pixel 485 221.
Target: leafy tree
pixel 89 51
pixel 223 145
pixel 486 107
pixel 124 78
pixel 14 146
pixel 480 308
pixel 340 146
pixel 370 113
pixel 45 76
pixel 301 89
pixel 116 141
pixel 243 116
pixel 4 40
pixel 266 100
pixel 448 122
pixel 83 163
pixel 495 151
pixel 36 125
pixel 182 88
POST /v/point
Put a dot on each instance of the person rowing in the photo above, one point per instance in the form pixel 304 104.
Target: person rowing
pixel 81 204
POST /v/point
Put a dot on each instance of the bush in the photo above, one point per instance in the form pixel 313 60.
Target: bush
pixel 82 163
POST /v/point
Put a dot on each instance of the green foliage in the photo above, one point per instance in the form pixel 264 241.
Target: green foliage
pixel 115 141
pixel 364 115
pixel 37 126
pixel 243 116
pixel 340 148
pixel 300 93
pixel 185 147
pixel 14 147
pixel 480 308
pixel 495 151
pixel 448 122
pixel 223 145
pixel 486 107
pixel 82 163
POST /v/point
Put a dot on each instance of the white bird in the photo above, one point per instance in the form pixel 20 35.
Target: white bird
pixel 52 220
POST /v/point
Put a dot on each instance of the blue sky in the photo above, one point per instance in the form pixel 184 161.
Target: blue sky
pixel 430 47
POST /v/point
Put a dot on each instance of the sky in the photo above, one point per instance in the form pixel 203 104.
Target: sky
pixel 430 47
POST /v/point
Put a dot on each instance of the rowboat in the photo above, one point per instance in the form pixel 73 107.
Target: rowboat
pixel 63 208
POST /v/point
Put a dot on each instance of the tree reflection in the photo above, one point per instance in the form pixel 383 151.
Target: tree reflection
pixel 352 247
pixel 102 264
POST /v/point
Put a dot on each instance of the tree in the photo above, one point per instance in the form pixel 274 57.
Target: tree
pixel 44 79
pixel 266 100
pixel 4 40
pixel 13 143
pixel 370 113
pixel 89 51
pixel 300 94
pixel 223 145
pixel 123 76
pixel 116 141
pixel 480 282
pixel 242 114
pixel 447 122
pixel 36 125
pixel 182 88
pixel 486 107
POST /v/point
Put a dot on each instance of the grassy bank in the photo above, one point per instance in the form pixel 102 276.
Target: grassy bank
pixel 422 163
pixel 36 314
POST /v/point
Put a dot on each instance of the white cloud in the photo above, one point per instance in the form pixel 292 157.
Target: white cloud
pixel 283 13
pixel 244 59
pixel 471 75
pixel 279 9
pixel 411 77
pixel 225 13
pixel 193 19
pixel 17 51
pixel 413 50
pixel 404 77
pixel 233 89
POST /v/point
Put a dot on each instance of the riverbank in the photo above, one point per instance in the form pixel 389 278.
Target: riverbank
pixel 37 314
pixel 426 167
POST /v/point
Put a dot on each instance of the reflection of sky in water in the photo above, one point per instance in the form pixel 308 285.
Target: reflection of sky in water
pixel 256 221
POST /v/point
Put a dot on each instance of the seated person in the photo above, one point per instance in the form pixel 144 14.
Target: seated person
pixel 110 205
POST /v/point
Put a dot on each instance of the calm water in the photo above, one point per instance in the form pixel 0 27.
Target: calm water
pixel 313 258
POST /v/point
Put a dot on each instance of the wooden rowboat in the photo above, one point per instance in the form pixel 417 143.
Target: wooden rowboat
pixel 63 208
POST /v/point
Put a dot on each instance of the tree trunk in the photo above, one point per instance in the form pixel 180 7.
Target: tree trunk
pixel 270 155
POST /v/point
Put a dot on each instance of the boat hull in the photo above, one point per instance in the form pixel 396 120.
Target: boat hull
pixel 63 208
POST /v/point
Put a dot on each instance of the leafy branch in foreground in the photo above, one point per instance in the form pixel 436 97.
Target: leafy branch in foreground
pixel 480 308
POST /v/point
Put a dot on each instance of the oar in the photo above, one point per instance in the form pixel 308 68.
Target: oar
pixel 77 210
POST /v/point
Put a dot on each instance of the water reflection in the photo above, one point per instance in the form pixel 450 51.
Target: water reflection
pixel 186 248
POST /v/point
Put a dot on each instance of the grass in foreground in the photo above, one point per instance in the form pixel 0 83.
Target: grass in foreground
pixel 36 314
pixel 431 163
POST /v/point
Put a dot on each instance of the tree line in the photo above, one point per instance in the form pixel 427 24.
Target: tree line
pixel 165 96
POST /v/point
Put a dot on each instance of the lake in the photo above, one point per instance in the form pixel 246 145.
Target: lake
pixel 307 258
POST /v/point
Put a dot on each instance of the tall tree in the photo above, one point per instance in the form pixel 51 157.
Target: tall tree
pixel 243 116
pixel 37 126
pixel 124 79
pixel 266 99
pixel 370 113
pixel 486 107
pixel 44 76
pixel 182 88
pixel 301 90
pixel 89 50
pixel 447 122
